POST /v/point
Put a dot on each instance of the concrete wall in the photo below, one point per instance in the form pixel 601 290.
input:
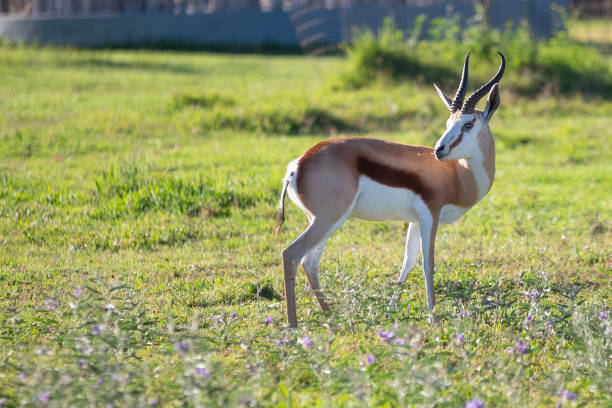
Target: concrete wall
pixel 253 28
pixel 246 27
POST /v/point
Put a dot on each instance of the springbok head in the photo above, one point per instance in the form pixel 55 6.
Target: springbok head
pixel 460 140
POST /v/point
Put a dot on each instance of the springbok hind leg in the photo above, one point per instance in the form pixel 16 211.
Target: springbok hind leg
pixel 310 263
pixel 293 255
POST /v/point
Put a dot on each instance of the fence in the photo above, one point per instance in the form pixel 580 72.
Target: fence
pixel 592 22
pixel 313 25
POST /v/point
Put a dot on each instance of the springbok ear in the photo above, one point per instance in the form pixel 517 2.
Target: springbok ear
pixel 493 102
pixel 445 98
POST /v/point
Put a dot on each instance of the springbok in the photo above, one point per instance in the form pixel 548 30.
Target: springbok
pixel 378 180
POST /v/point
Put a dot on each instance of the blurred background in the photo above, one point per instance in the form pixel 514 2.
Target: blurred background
pixel 310 26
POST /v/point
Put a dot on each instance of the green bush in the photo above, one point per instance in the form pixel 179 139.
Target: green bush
pixel 557 65
pixel 391 56
pixel 571 67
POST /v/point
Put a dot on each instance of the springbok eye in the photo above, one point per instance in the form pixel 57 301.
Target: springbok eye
pixel 467 126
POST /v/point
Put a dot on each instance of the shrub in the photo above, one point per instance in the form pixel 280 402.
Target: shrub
pixel 389 55
pixel 559 64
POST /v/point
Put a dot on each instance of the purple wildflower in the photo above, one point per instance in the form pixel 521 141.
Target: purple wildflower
pixel 23 377
pixel 99 382
pixel 51 304
pixel 219 320
pixel 280 343
pixel 520 346
pixel 252 368
pixel 44 397
pixel 567 395
pixel 401 341
pixel 306 342
pixel 532 294
pixel 2 402
pixel 465 313
pixel 385 336
pixel 81 362
pixel 110 406
pixel 116 377
pixel 76 293
pixel 153 402
pixel 181 346
pixel 370 359
pixel 460 338
pixel 96 330
pixel 475 403
pixel 529 317
pixel 234 315
pixel 203 371
pixel 603 315
pixel 268 320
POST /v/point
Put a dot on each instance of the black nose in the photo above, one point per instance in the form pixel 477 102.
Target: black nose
pixel 439 149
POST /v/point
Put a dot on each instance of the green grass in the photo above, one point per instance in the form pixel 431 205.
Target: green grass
pixel 149 181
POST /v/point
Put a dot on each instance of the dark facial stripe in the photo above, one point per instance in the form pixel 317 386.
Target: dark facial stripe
pixel 456 142
pixel 460 138
pixel 393 177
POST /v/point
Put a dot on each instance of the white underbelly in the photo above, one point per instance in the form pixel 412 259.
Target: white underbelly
pixel 378 202
pixel 451 213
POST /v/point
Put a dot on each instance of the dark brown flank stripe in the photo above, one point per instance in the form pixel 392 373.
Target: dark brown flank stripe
pixel 393 177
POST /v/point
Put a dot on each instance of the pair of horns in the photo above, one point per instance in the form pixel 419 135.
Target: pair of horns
pixel 457 103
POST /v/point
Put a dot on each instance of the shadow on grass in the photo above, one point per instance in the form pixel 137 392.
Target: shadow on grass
pixel 247 292
pixel 110 64
pixel 513 302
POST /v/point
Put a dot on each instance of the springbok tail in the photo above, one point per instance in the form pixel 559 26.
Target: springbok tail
pixel 281 209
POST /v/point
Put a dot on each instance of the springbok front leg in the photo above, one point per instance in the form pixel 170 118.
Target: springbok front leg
pixel 310 263
pixel 413 242
pixel 429 227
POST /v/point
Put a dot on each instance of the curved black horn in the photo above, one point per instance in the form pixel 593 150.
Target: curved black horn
pixel 470 103
pixel 460 94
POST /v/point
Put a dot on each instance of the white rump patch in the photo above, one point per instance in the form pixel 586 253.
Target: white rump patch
pixel 291 176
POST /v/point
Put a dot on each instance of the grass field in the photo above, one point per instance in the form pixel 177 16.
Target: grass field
pixel 598 31
pixel 138 195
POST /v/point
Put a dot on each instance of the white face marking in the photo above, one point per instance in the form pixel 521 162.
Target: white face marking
pixel 467 127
